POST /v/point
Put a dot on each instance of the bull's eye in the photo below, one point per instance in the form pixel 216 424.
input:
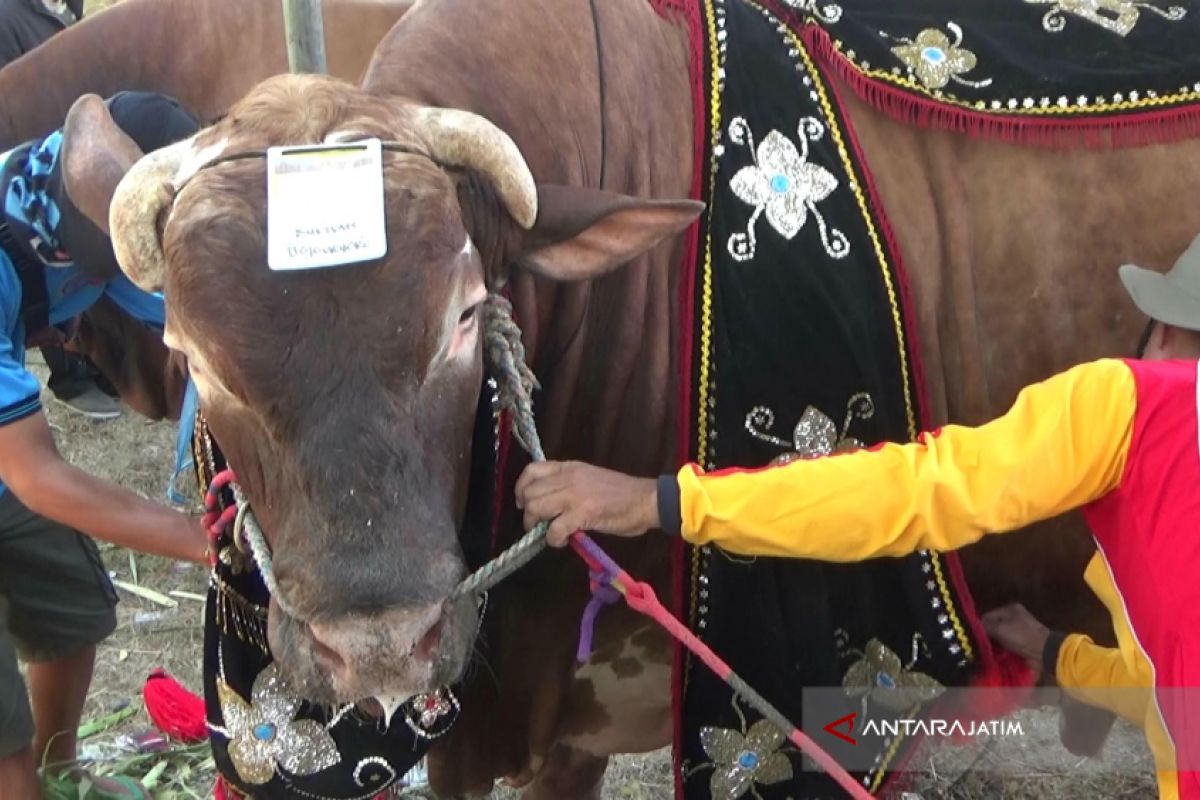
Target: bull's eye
pixel 468 317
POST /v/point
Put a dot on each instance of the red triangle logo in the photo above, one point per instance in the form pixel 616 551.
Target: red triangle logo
pixel 848 722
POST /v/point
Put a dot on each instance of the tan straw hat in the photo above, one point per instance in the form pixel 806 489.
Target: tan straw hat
pixel 1172 297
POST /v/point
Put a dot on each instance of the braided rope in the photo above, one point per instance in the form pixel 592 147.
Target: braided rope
pixel 515 383
pixel 246 526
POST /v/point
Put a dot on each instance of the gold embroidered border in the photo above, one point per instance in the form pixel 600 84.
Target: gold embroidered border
pixel 864 210
pixel 964 641
pixel 902 339
pixel 1044 107
pixel 706 317
pixel 706 320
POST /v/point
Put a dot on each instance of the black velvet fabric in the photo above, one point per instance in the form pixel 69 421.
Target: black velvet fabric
pixel 370 758
pixel 1032 57
pixel 802 334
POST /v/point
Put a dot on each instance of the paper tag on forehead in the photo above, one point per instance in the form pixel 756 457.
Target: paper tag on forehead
pixel 325 205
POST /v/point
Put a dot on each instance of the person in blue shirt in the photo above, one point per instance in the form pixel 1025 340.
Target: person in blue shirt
pixel 74 380
pixel 56 600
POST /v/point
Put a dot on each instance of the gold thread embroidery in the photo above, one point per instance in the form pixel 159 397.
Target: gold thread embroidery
pixel 888 758
pixel 816 434
pixel 935 60
pixel 864 210
pixel 706 290
pixel 1027 106
pixel 705 300
pixel 743 759
pixel 881 676
pixel 1117 16
pixel 265 734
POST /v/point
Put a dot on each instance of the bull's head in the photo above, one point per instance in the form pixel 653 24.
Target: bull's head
pixel 345 398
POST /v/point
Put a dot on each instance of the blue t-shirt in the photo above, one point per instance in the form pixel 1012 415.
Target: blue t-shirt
pixel 69 290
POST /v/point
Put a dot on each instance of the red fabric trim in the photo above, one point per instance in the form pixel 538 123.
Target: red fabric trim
pixel 679 592
pixel 688 13
pixel 1098 132
pixel 505 445
pixel 223 791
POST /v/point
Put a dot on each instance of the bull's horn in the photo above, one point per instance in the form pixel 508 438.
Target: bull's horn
pixel 141 196
pixel 468 140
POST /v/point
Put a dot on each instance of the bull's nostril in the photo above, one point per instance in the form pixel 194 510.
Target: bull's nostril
pixel 326 656
pixel 427 647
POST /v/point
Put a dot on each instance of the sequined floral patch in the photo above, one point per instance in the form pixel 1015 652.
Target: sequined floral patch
pixel 935 60
pixel 264 734
pixel 816 434
pixel 431 715
pixel 742 759
pixel 879 675
pixel 1117 16
pixel 783 185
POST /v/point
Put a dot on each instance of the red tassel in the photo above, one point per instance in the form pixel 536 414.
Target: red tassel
pixel 174 710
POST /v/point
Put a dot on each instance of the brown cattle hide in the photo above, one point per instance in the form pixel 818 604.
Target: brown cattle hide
pixel 204 53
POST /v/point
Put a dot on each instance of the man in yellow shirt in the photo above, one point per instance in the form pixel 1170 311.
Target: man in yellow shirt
pixel 1118 439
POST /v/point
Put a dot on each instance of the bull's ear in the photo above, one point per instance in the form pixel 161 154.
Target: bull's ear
pixel 584 233
pixel 95 155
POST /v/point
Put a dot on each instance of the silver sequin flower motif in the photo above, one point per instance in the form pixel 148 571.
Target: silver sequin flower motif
pixel 1117 16
pixel 880 676
pixel 742 760
pixel 816 434
pixel 264 734
pixel 783 185
pixel 935 60
pixel 431 715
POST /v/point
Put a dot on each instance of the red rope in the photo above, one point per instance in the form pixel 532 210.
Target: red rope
pixel 641 598
pixel 215 520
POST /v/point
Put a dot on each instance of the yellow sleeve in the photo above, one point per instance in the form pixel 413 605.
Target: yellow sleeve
pixel 1062 444
pixel 1099 676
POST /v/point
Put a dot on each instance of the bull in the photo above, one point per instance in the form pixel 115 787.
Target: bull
pixel 345 398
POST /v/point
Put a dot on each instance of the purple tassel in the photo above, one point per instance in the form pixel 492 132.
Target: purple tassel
pixel 602 595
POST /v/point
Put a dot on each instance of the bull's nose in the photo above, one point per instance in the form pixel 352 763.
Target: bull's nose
pixel 427 646
pixel 358 651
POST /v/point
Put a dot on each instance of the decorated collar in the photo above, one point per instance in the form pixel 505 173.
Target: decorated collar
pixel 268 742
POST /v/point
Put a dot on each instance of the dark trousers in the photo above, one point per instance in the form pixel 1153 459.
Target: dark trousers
pixel 72 374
